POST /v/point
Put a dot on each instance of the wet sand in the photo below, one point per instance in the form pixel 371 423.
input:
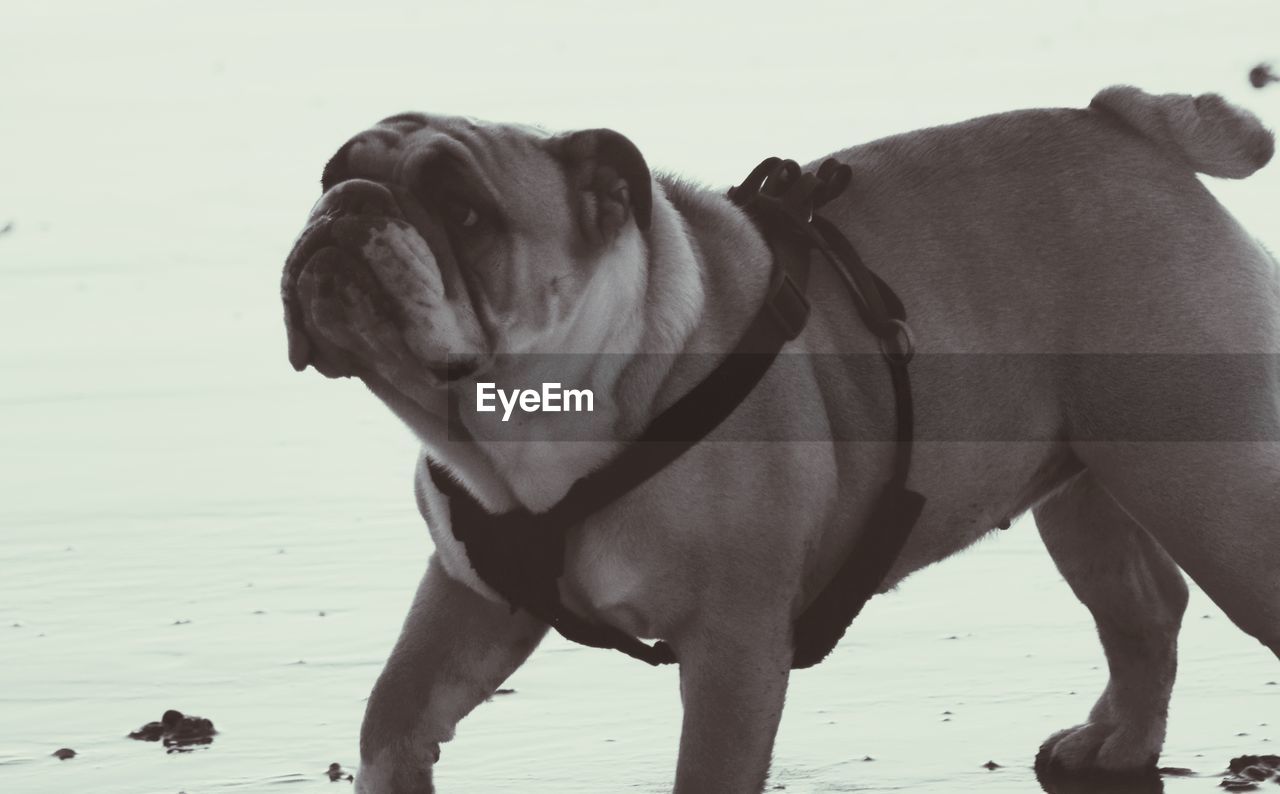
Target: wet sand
pixel 935 680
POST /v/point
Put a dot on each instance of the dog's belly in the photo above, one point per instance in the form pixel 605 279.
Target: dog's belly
pixel 974 488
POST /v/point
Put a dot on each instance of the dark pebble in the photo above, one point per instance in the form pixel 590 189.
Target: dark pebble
pixel 336 773
pixel 1237 764
pixel 64 753
pixel 178 731
pixel 1247 771
pixel 1256 772
pixel 991 765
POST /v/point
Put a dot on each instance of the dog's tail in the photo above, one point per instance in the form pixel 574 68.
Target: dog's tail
pixel 1211 135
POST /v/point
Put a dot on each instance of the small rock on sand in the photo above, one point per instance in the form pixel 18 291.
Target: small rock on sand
pixel 1247 771
pixel 336 773
pixel 178 731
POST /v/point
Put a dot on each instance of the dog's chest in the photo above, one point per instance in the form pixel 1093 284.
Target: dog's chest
pixel 608 577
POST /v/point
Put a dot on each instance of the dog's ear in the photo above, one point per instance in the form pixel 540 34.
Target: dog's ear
pixel 611 182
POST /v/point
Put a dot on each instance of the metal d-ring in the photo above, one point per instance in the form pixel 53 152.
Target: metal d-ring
pixel 907 348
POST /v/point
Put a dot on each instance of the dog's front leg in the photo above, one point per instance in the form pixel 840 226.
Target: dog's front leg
pixel 733 686
pixel 456 647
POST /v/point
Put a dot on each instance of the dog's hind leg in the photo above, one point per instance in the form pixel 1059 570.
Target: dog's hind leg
pixel 1137 597
pixel 1214 507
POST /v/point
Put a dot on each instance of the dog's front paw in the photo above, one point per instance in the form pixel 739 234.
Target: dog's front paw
pixel 403 773
pixel 1101 749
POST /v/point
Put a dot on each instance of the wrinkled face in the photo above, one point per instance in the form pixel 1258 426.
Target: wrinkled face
pixel 439 243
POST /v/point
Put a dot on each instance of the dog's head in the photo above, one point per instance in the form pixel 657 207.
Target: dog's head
pixel 440 243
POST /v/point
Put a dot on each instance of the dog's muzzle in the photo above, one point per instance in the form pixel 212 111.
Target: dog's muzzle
pixel 329 251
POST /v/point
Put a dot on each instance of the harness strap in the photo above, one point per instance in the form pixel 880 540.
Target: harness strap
pixel 521 554
pixel 896 509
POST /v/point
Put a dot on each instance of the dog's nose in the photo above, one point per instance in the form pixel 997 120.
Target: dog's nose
pixel 358 197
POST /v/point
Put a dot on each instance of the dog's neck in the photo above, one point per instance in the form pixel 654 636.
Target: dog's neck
pixel 662 310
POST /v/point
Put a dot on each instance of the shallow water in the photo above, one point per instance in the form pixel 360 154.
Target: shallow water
pixel 188 524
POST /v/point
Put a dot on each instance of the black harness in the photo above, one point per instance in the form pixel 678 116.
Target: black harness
pixel 521 554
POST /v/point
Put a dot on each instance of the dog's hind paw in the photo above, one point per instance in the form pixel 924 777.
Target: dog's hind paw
pixel 1100 749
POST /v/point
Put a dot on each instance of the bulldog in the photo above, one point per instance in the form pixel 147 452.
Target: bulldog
pixel 446 252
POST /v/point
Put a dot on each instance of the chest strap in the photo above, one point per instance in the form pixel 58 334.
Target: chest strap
pixel 520 554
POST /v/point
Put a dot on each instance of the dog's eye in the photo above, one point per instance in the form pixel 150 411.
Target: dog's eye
pixel 461 215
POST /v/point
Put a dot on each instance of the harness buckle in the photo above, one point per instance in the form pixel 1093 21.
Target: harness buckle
pixel 789 307
pixel 898 347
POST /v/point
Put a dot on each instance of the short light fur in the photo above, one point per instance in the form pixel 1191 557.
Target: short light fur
pixel 1034 232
